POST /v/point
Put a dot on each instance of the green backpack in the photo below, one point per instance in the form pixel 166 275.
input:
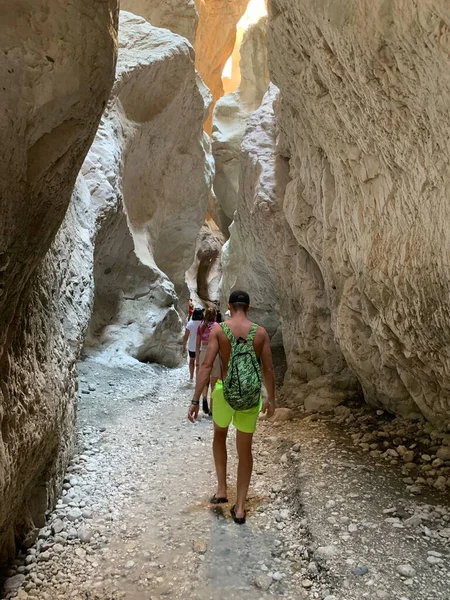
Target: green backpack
pixel 242 385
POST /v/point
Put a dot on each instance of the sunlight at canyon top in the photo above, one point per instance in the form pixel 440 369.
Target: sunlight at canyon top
pixel 231 75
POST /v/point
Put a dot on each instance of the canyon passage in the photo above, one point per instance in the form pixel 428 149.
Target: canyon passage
pixel 175 150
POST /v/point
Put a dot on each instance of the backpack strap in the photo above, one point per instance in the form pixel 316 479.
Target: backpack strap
pixel 252 333
pixel 230 337
pixel 227 331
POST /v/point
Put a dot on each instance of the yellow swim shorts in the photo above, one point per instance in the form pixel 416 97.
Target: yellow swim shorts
pixel 223 414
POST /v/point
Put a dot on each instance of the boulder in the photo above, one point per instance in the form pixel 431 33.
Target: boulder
pixel 366 200
pixel 204 275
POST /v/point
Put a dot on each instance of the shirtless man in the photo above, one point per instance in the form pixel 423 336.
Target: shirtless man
pixel 223 413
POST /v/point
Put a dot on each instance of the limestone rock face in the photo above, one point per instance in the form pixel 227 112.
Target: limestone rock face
pixel 204 275
pixel 150 173
pixel 180 16
pixel 364 124
pixel 230 119
pixel 285 286
pixel 214 43
pixel 56 78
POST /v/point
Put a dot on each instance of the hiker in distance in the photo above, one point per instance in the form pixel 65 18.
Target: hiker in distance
pixel 244 348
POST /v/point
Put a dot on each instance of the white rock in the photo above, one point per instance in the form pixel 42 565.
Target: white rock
pixel 406 570
pixel 263 581
pixel 57 526
pixel 155 252
pixel 73 514
pixel 12 584
pixel 84 534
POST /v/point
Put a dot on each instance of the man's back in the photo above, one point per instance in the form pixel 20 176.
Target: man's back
pixel 240 328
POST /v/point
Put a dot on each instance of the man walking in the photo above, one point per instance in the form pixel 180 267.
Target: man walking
pixel 244 347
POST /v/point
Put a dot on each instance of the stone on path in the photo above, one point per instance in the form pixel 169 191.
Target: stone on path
pixel 263 581
pixel 406 570
pixel 84 534
pixel 13 583
pixel 327 552
pixel 57 526
pixel 199 546
pixel 360 570
pixel 443 453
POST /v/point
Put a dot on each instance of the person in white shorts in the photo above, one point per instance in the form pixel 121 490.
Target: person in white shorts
pixel 190 339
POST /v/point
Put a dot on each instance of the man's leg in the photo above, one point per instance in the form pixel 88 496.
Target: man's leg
pixel 191 367
pixel 220 459
pixel 245 467
pixel 213 382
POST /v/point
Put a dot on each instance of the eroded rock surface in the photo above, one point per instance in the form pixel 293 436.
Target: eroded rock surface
pixel 57 75
pixel 180 16
pixel 204 275
pixel 125 223
pixel 285 285
pixel 216 36
pixel 150 175
pixel 363 124
pixel 230 119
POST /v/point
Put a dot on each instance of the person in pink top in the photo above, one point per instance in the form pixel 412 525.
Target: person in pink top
pixel 203 333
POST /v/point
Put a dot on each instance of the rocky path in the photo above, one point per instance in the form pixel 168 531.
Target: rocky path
pixel 327 520
pixel 134 521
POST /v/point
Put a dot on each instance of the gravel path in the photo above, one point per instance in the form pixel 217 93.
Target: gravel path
pixel 134 521
pixel 327 520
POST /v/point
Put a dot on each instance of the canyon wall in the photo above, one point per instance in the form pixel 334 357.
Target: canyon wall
pixel 146 172
pixel 57 74
pixel 180 16
pixel 150 173
pixel 214 43
pixel 364 128
pixel 285 284
pixel 230 118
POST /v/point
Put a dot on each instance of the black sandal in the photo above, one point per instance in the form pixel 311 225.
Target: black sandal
pixel 238 520
pixel 216 500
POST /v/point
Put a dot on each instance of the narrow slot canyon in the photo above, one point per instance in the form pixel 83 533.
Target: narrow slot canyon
pixel 157 156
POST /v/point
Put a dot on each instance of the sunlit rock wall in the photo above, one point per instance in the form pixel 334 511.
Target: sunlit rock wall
pixel 230 118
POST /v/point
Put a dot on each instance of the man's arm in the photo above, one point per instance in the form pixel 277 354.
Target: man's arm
pixel 203 374
pixel 269 377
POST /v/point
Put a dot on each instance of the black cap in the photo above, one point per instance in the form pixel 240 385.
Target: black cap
pixel 239 297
